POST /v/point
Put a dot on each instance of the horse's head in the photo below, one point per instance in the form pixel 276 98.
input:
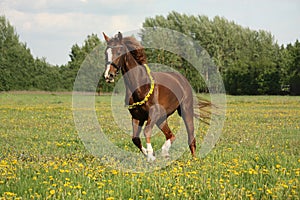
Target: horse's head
pixel 113 53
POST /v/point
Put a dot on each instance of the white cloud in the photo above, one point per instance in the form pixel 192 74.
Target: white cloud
pixel 51 34
pixel 44 15
pixel 85 6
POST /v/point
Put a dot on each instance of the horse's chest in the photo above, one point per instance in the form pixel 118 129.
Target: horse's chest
pixel 139 114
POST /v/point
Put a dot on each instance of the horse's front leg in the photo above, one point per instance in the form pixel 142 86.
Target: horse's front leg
pixel 137 128
pixel 170 137
pixel 148 132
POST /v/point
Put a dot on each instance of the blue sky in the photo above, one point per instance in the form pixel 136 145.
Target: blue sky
pixel 51 27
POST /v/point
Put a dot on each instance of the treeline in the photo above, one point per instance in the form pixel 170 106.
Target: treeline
pixel 19 70
pixel 250 62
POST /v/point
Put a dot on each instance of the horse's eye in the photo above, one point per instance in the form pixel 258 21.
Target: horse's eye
pixel 119 52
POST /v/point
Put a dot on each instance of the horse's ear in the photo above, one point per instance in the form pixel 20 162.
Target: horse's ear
pixel 106 37
pixel 120 36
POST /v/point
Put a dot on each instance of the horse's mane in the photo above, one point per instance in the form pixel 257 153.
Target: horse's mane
pixel 136 49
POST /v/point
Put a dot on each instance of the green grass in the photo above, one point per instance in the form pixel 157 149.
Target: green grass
pixel 42 156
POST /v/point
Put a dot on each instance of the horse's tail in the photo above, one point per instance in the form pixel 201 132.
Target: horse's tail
pixel 203 109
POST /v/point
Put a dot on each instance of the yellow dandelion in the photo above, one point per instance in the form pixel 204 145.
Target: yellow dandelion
pixel 52 192
pixel 10 194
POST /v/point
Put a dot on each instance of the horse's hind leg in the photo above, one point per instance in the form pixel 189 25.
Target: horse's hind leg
pixel 137 128
pixel 188 118
pixel 170 137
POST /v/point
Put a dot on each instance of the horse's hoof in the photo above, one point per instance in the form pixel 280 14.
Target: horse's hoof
pixel 150 158
pixel 144 151
pixel 166 155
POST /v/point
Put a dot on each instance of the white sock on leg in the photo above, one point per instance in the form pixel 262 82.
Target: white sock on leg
pixel 150 156
pixel 165 148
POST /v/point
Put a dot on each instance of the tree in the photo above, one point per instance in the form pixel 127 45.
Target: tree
pixel 46 77
pixel 15 61
pixel 290 62
pixel 88 60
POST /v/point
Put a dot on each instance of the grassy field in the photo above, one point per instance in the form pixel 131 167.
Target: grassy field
pixel 42 156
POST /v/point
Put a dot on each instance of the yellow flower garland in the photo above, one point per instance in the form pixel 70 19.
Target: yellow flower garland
pixel 149 93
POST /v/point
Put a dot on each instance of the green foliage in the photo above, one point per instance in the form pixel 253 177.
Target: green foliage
pixel 247 59
pixel 45 77
pixel 18 69
pixel 15 60
pixel 89 56
pixel 290 59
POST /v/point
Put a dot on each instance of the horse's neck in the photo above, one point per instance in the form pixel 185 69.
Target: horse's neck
pixel 135 77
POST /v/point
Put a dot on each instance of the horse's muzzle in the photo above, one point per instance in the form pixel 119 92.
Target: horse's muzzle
pixel 110 78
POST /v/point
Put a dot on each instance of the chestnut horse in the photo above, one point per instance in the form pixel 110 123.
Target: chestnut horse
pixel 151 96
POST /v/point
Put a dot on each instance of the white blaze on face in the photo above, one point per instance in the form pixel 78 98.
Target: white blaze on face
pixel 109 60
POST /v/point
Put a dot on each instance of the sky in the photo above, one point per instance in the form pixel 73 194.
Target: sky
pixel 51 27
